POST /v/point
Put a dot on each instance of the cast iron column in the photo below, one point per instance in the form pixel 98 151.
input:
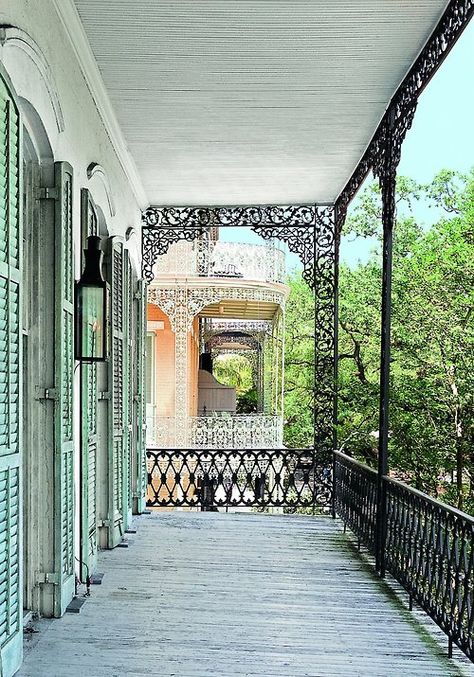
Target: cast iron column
pixel 338 223
pixel 387 178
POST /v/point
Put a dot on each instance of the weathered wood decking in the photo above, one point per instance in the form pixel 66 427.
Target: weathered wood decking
pixel 201 594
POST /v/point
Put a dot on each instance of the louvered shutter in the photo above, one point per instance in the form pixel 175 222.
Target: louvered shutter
pixel 10 387
pixel 64 371
pixel 117 392
pixel 130 365
pixel 89 436
pixel 139 473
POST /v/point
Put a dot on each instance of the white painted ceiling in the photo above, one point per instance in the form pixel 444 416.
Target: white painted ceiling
pixel 252 101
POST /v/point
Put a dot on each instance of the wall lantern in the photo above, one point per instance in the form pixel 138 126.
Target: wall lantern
pixel 91 307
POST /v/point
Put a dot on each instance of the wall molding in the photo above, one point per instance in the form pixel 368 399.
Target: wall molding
pixel 12 36
pixel 96 170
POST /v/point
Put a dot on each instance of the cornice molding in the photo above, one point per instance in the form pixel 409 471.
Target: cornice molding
pixel 72 23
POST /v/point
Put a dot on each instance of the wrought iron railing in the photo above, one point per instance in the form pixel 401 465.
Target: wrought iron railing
pixel 207 258
pixel 252 478
pixel 429 549
pixel 355 497
pixel 427 546
pixel 252 431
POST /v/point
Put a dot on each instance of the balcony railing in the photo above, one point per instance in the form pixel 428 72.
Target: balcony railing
pixel 236 432
pixel 426 545
pixel 207 258
pixel 253 431
pixel 252 478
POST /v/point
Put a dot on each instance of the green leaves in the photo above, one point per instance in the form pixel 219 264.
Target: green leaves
pixel 432 338
pixel 432 374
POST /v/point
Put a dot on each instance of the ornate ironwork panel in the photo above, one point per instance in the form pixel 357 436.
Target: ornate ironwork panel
pixel 263 478
pixel 400 113
pixel 182 303
pixel 257 329
pixel 217 341
pixel 430 551
pixel 296 225
pixel 308 230
pixel 242 431
pixel 211 258
pixel 325 295
pixel 355 497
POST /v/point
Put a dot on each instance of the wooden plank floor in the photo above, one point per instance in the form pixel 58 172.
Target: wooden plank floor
pixel 201 594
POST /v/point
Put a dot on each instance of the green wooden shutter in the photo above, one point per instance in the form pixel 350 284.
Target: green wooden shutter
pixel 10 387
pixel 130 366
pixel 89 435
pixel 139 482
pixel 117 379
pixel 64 372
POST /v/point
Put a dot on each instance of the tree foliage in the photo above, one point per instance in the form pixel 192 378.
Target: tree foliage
pixel 432 371
pixel 299 364
pixel 236 371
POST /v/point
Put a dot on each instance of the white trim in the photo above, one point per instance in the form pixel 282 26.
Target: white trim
pixel 155 325
pixel 71 21
pixel 151 367
pixel 12 36
pixel 94 169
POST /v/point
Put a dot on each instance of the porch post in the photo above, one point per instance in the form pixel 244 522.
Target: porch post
pixel 339 219
pixel 181 329
pixel 387 178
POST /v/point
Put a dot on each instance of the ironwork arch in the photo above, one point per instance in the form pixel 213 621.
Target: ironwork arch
pixel 310 232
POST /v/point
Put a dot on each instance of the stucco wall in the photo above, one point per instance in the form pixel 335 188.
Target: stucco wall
pixel 165 363
pixel 84 139
pixel 60 115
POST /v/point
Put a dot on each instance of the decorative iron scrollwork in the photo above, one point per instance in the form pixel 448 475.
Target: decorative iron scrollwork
pixel 296 225
pixel 308 230
pixel 301 227
pixel 260 478
pixel 399 116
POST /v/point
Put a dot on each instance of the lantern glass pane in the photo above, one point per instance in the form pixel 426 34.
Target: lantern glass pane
pixel 91 312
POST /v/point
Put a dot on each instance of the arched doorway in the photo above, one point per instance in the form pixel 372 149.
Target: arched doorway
pixel 47 375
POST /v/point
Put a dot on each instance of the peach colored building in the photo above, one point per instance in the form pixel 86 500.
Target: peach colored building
pixel 209 298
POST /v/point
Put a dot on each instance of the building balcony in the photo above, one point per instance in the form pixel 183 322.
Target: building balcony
pixel 251 431
pixel 228 260
pixel 223 594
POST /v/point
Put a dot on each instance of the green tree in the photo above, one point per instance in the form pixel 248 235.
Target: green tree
pixel 236 371
pixel 432 370
pixel 432 338
pixel 299 364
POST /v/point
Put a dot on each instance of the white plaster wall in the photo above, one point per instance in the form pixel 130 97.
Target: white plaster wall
pixel 84 139
pixel 81 140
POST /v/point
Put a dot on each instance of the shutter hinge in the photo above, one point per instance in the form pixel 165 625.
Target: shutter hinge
pixel 104 523
pixel 103 395
pixel 42 578
pixel 45 393
pixel 48 193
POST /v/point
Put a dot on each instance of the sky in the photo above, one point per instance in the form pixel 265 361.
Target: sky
pixel 442 136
